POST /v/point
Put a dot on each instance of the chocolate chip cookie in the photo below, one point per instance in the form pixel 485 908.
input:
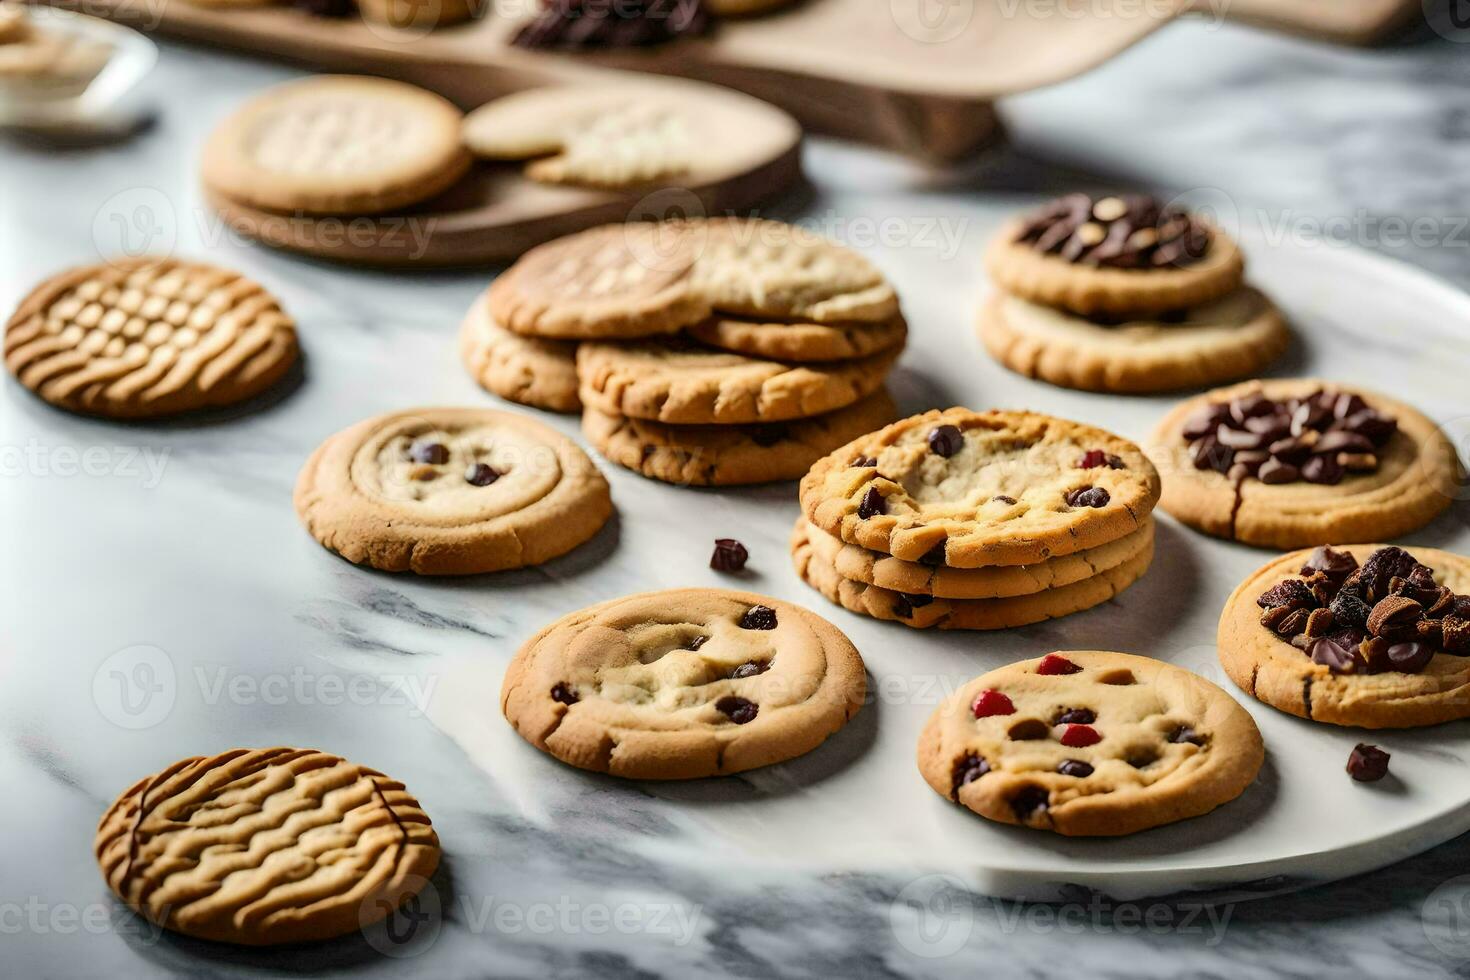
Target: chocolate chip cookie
pixel 1367 636
pixel 683 684
pixel 1090 744
pixel 451 491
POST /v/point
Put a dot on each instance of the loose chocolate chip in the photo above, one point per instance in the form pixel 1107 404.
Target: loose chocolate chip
pixel 481 474
pixel 1368 764
pixel 1001 498
pixel 1325 470
pixel 738 710
pixel 1410 658
pixel 1274 471
pixel 1336 657
pixel 966 769
pixel 1088 497
pixel 946 440
pixel 1029 800
pixel 750 669
pixel 758 618
pixel 429 453
pixel 1185 734
pixel 1094 458
pixel 729 555
pixel 872 504
pixel 1075 716
pixel 563 694
pixel 1074 767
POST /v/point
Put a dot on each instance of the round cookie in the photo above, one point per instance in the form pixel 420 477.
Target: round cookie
pixel 928 612
pixel 683 684
pixel 1121 256
pixel 1417 474
pixel 972 489
pixel 1235 336
pixel 684 384
pixel 451 491
pixel 15 24
pixel 418 15
pixel 731 455
pixel 527 370
pixel 848 561
pixel 263 847
pixel 337 144
pixel 1368 673
pixel 148 337
pixel 792 341
pixel 1090 744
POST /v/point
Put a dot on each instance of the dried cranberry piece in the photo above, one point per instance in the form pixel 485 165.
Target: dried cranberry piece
pixel 1075 716
pixel 1383 566
pixel 991 703
pixel 1080 736
pixel 1094 458
pixel 946 440
pixel 1075 767
pixel 738 710
pixel 1368 763
pixel 729 555
pixel 1088 497
pixel 563 694
pixel 758 618
pixel 1055 663
pixel 872 504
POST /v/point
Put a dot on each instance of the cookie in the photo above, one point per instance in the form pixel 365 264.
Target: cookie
pixel 1296 462
pixel 527 370
pixel 451 491
pixel 337 144
pixel 795 341
pixel 683 684
pixel 860 565
pixel 262 847
pixel 929 612
pixel 674 382
pixel 1090 744
pixel 15 24
pixel 148 337
pixel 1366 636
pixel 1235 336
pixel 1121 256
pixel 972 489
pixel 731 455
pixel 417 15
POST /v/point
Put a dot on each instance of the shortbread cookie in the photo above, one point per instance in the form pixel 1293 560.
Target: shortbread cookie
pixel 148 337
pixel 669 381
pixel 1123 256
pixel 451 491
pixel 732 455
pixel 1235 336
pixel 874 568
pixel 337 144
pixel 1366 636
pixel 266 846
pixel 1090 744
pixel 683 684
pixel 528 370
pixel 972 489
pixel 789 341
pixel 1296 462
pixel 928 612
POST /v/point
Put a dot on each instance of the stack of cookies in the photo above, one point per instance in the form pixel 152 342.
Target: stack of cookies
pixel 977 520
pixel 708 352
pixel 1125 294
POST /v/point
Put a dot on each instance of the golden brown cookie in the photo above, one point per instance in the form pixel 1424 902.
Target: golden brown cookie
pixel 451 491
pixel 1235 336
pixel 419 15
pixel 1123 256
pixel 683 684
pixel 1090 744
pixel 337 144
pixel 731 455
pixel 922 611
pixel 148 337
pixel 794 341
pixel 972 489
pixel 1356 466
pixel 266 846
pixel 527 370
pixel 1366 636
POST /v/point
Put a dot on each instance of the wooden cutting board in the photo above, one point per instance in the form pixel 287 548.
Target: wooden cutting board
pixel 915 75
pixel 1342 21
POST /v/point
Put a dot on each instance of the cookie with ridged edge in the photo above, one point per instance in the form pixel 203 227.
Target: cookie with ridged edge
pixel 148 337
pixel 731 455
pixel 928 612
pixel 337 144
pixel 1274 672
pixel 1170 745
pixel 1419 474
pixel 451 491
pixel 527 370
pixel 795 341
pixel 683 684
pixel 1235 336
pixel 1013 490
pixel 996 582
pixel 1049 280
pixel 263 847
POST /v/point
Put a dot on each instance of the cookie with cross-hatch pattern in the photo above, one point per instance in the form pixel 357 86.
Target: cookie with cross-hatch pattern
pixel 266 846
pixel 683 684
pixel 1090 744
pixel 147 337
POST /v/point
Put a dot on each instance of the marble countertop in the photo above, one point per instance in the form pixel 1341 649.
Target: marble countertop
pixel 173 548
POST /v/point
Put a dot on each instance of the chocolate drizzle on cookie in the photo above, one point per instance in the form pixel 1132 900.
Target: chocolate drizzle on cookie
pixel 1130 231
pixel 575 25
